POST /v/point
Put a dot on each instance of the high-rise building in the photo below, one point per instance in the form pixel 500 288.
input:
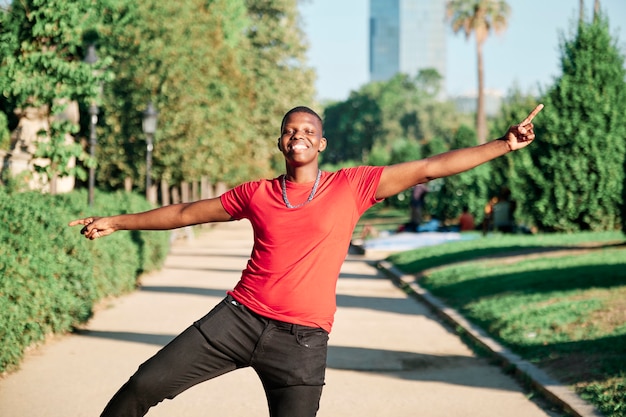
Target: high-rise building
pixel 406 36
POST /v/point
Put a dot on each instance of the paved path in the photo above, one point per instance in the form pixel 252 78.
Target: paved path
pixel 389 356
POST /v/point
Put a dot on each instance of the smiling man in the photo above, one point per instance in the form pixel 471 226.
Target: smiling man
pixel 278 317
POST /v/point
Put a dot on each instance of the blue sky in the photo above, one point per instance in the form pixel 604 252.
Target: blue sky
pixel 527 54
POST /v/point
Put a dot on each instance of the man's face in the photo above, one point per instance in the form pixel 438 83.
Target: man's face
pixel 301 138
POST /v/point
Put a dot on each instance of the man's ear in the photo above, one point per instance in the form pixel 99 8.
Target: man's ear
pixel 278 144
pixel 323 144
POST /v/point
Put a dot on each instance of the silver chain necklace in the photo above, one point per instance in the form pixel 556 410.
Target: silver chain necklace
pixel 283 186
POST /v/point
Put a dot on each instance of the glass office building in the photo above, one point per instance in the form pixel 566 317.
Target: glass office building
pixel 406 36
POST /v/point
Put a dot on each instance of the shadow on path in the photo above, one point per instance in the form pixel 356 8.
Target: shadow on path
pixel 451 369
pixel 205 292
pixel 207 254
pixel 182 267
pixel 386 304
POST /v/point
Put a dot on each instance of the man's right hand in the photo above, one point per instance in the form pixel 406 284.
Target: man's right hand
pixel 94 227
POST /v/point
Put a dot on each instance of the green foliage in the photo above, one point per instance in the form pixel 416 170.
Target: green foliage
pixel 575 177
pixel 435 146
pixel 41 67
pixel 50 276
pixel 404 150
pixel 381 113
pixel 415 261
pixel 59 150
pixel 610 397
pixel 561 307
pixel 378 156
pixel 466 189
pixel 559 321
pixel 351 128
pixel 508 171
pixel 16 183
pixel 275 60
pixel 177 56
pixel 393 121
pixel 221 73
pixel 5 134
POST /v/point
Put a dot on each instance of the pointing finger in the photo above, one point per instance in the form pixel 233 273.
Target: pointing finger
pixel 532 115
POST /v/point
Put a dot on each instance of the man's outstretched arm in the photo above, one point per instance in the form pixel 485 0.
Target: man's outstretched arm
pixel 399 177
pixel 163 218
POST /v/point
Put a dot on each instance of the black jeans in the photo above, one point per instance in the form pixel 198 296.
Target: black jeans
pixel 289 359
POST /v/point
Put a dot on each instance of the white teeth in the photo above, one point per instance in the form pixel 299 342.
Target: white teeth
pixel 298 147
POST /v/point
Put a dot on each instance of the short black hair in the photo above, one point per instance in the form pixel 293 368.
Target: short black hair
pixel 301 109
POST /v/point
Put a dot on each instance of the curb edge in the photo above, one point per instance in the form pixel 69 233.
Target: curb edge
pixel 552 390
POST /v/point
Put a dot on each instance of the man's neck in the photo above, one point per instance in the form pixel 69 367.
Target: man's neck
pixel 302 174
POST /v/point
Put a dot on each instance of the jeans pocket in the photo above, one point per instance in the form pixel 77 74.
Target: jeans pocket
pixel 312 338
pixel 215 310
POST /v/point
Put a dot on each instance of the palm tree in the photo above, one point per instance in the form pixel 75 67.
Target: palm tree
pixel 478 17
pixel 596 9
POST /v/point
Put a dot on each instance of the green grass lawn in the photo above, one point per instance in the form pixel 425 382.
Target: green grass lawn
pixel 557 300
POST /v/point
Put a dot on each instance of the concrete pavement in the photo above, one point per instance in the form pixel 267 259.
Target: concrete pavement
pixel 389 354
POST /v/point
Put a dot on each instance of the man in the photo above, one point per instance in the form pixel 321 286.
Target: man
pixel 277 318
pixel 466 220
pixel 417 203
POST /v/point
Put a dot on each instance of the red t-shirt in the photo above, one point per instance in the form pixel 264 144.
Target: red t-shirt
pixel 466 222
pixel 297 254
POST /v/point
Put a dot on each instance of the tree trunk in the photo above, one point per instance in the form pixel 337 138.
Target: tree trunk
pixel 206 190
pixel 184 192
pixel 195 192
pixel 53 183
pixel 175 195
pixel 165 193
pixel 481 117
pixel 581 7
pixel 128 184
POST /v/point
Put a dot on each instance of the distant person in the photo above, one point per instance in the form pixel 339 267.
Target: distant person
pixel 368 231
pixel 503 210
pixel 466 220
pixel 417 203
pixel 277 318
pixel 488 215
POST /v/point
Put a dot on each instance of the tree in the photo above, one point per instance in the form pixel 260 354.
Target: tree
pixel 504 170
pixel 478 17
pixel 187 59
pixel 276 62
pixel 352 127
pixel 221 74
pixel 116 35
pixel 469 188
pixel 41 50
pixel 574 180
pixel 381 113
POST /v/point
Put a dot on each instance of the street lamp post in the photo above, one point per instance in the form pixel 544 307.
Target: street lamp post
pixel 91 59
pixel 93 113
pixel 150 116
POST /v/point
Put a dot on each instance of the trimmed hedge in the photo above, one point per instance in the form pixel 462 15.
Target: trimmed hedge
pixel 51 277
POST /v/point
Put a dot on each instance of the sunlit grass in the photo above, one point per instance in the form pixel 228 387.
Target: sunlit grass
pixel 557 300
pixel 494 245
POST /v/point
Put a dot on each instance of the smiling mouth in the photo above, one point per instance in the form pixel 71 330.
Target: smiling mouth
pixel 299 146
